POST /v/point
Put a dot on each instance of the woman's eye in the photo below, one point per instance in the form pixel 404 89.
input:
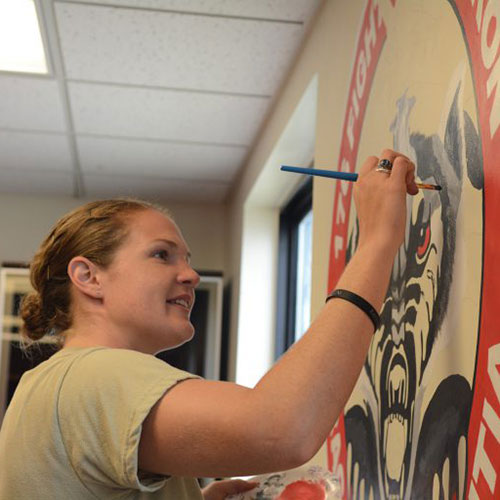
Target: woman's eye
pixel 161 254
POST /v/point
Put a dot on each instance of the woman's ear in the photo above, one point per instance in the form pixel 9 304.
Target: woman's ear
pixel 83 274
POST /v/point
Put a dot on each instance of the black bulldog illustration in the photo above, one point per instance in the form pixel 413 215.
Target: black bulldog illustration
pixel 407 439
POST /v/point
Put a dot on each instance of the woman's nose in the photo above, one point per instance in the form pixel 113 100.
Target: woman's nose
pixel 189 276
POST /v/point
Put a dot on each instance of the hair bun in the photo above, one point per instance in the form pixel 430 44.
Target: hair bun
pixel 35 322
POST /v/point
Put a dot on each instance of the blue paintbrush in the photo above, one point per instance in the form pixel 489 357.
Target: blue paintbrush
pixel 344 176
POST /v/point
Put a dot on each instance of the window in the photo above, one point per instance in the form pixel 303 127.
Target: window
pixel 303 288
pixel 294 269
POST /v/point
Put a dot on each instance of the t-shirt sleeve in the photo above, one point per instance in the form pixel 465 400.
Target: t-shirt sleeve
pixel 103 401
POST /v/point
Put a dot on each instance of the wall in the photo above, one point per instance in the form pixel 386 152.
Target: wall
pixel 25 220
pixel 322 46
pixel 292 134
pixel 424 418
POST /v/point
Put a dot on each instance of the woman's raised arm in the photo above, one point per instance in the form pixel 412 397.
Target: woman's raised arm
pixel 218 429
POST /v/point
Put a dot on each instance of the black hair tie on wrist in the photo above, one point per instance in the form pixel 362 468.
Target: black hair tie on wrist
pixel 355 299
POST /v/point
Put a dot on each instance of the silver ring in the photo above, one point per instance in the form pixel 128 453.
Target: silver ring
pixel 384 166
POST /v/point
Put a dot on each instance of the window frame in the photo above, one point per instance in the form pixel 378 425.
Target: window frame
pixel 290 217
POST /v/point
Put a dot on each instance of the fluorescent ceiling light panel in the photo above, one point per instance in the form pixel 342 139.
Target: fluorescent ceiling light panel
pixel 21 46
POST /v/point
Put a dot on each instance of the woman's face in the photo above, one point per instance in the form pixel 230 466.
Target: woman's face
pixel 148 290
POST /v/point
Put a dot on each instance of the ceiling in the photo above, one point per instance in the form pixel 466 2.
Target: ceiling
pixel 150 98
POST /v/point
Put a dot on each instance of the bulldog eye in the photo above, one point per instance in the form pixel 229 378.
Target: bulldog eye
pixel 425 240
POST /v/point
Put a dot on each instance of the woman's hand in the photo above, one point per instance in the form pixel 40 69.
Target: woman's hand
pixel 381 201
pixel 219 490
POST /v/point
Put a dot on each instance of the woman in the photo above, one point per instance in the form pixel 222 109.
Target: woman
pixel 103 418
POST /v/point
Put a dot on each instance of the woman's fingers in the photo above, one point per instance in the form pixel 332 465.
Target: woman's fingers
pixel 369 164
pixel 219 490
pixel 372 162
pixel 402 163
pixel 403 172
pixel 380 196
pixel 389 154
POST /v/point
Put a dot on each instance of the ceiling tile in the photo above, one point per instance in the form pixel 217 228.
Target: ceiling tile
pixel 34 151
pixel 152 188
pixel 165 114
pixel 159 159
pixel 36 182
pixel 288 10
pixel 30 103
pixel 196 132
pixel 140 47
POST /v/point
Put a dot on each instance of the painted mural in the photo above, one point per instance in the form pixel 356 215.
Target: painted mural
pixel 424 419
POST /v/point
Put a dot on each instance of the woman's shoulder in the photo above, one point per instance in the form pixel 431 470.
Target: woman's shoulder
pixel 102 354
pixel 110 361
pixel 106 380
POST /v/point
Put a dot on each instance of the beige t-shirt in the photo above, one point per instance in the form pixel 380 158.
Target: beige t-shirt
pixel 72 429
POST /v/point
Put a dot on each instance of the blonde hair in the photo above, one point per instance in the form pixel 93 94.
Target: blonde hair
pixel 95 231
